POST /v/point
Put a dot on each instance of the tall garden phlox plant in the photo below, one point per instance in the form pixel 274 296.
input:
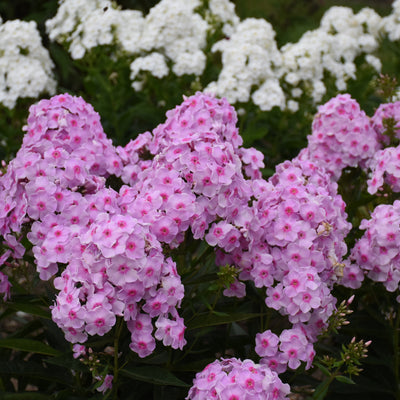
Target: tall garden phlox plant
pixel 108 246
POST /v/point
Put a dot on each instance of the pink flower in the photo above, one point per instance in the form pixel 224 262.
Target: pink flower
pixel 106 384
pixel 266 344
pixel 234 379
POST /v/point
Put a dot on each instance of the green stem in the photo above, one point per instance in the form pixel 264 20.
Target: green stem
pixel 78 381
pixel 322 389
pixel 396 352
pixel 217 296
pixel 116 368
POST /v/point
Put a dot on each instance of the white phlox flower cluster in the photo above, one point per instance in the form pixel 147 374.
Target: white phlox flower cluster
pixel 172 33
pixel 174 29
pixel 172 38
pixel 25 65
pixel 154 63
pixel 254 68
pixel 223 11
pixel 250 57
pixel 333 48
pixel 84 24
pixel 392 22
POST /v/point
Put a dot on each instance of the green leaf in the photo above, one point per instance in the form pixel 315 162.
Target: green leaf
pixel 67 361
pixel 345 379
pixel 32 309
pixel 29 345
pixel 34 370
pixel 321 391
pixel 194 366
pixel 323 369
pixel 154 375
pixel 25 396
pixel 208 319
pixel 202 279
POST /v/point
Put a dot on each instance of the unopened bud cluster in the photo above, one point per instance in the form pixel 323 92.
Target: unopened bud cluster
pixel 353 354
pixel 339 316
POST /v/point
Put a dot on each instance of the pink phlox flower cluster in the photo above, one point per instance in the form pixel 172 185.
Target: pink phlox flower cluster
pixel 233 379
pixel 304 225
pixel 290 348
pixel 64 152
pixel 112 263
pixel 385 168
pixel 292 244
pixel 285 234
pixel 376 253
pixel 342 136
pixel 196 176
pixel 386 114
pixel 298 251
pixel 122 272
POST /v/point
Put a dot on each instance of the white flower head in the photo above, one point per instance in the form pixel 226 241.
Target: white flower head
pixel 26 69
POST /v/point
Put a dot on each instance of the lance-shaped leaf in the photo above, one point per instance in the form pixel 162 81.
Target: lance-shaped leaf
pixel 154 375
pixel 29 345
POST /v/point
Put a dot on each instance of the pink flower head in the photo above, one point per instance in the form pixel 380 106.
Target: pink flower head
pixel 342 136
pixel 106 384
pixel 235 379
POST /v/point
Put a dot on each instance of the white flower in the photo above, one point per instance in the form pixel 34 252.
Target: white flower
pixel 296 92
pixel 174 33
pixel 292 105
pixel 153 63
pixel 224 11
pixel 249 58
pixel 25 65
pixel 391 23
pixel 70 16
pixel 375 62
pixel 269 95
pixel 189 63
pixel 371 21
pixel 333 48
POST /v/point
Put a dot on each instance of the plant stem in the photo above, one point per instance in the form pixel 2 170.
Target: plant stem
pixel 116 369
pixel 396 352
pixel 322 389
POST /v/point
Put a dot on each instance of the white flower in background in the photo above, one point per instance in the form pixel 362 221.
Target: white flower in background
pixel 391 23
pixel 332 48
pixel 153 63
pixel 375 62
pixel 371 21
pixel 172 37
pixel 189 63
pixel 129 29
pixel 318 89
pixel 25 65
pixel 292 105
pixel 302 61
pixel 224 11
pixel 174 29
pixel 250 57
pixel 342 23
pixel 269 95
pixel 84 24
pixel 66 24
